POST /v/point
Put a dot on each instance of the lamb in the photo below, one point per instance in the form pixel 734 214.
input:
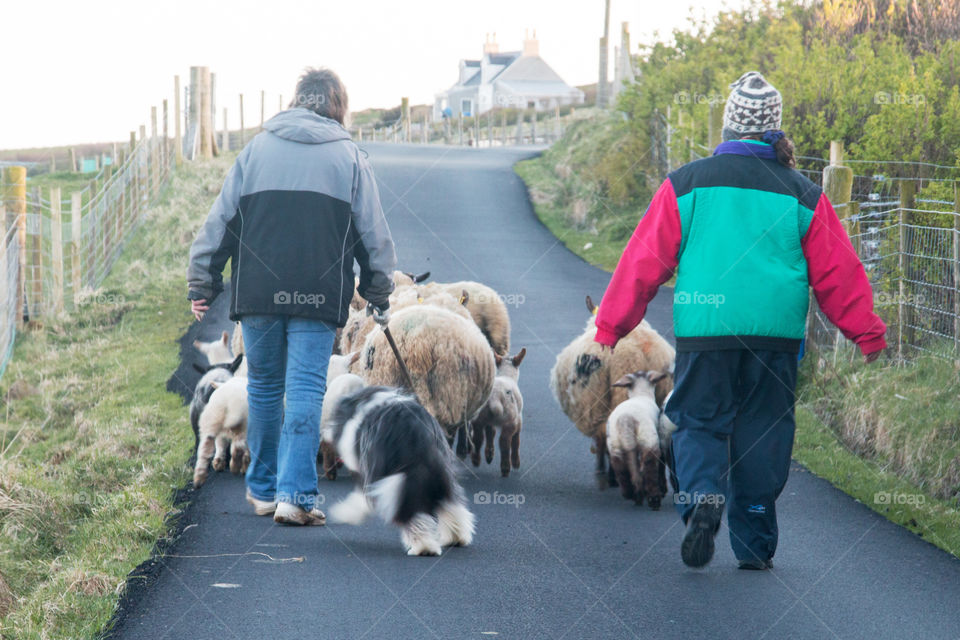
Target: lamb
pixel 503 410
pixel 581 381
pixel 633 442
pixel 217 373
pixel 450 361
pixel 487 309
pixel 340 383
pixel 216 351
pixel 223 420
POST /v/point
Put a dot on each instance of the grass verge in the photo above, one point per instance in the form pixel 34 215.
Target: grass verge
pixel 888 436
pixel 92 447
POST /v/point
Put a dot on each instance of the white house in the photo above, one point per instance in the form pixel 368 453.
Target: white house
pixel 509 79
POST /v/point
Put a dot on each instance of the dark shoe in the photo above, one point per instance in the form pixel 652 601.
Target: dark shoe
pixel 697 547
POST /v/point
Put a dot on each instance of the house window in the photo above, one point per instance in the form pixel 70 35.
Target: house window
pixel 466 107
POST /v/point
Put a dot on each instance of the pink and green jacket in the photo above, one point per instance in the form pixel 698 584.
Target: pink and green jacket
pixel 746 237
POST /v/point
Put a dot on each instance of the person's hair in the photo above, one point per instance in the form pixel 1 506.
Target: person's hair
pixel 321 91
pixel 784 148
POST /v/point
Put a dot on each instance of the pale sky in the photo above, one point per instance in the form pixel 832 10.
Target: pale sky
pixel 77 72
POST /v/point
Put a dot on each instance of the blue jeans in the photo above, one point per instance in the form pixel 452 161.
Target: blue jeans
pixel 285 354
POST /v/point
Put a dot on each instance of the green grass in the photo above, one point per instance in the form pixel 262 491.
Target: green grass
pixel 570 188
pixel 887 429
pixel 92 447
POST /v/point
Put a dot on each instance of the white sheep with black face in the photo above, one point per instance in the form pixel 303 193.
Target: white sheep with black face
pixel 632 439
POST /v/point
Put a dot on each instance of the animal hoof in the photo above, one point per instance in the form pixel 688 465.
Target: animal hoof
pixel 489 456
pixel 505 473
pixel 331 474
pixel 654 503
pixel 601 477
pixel 219 464
pixel 199 478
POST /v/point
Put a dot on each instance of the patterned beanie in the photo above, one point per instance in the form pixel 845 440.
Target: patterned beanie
pixel 754 106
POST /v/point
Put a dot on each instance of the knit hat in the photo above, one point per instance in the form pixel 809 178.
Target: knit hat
pixel 754 106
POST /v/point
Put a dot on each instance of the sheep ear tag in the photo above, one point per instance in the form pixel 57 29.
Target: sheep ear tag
pixel 595 309
pixel 419 299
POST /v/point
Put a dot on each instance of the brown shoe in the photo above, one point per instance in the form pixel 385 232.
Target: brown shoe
pixel 287 513
pixel 262 507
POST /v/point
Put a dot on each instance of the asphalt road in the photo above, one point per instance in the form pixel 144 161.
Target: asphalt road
pixel 554 557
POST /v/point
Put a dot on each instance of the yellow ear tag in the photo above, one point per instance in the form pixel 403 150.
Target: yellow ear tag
pixel 419 300
pixel 595 309
pixel 462 299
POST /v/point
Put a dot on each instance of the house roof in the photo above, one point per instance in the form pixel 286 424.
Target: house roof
pixel 520 74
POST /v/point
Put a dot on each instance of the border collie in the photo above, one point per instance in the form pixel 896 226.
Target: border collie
pixel 403 468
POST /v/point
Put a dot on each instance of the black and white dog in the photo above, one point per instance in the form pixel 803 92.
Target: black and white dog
pixel 404 469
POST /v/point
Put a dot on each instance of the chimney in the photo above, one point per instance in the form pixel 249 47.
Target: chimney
pixel 490 45
pixel 531 46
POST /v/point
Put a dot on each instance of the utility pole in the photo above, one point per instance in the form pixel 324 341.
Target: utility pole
pixel 602 83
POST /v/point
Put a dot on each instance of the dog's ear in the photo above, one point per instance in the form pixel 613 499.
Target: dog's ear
pixel 517 359
pixel 625 381
pixel 236 363
pixel 200 370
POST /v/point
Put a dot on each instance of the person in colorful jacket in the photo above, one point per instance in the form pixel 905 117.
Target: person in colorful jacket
pixel 747 235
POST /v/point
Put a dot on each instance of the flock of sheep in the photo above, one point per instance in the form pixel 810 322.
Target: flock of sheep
pixel 455 341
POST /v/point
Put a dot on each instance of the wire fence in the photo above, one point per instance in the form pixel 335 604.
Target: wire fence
pixel 59 246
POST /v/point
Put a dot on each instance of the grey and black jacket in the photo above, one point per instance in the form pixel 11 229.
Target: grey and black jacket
pixel 298 206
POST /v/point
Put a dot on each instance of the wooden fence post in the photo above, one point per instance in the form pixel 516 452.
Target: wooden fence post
pixel 165 145
pixel 206 114
pixel 154 151
pixel 177 134
pixel 15 196
pixel 460 128
pixel 908 192
pixel 533 126
pixel 503 127
pixel 425 134
pixel 36 263
pixel 56 251
pixel 76 242
pixel 225 145
pixel 242 142
pixel 405 118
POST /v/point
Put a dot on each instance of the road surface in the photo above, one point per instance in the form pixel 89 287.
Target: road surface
pixel 554 557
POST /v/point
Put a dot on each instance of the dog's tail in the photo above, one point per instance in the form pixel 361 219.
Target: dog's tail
pixel 387 495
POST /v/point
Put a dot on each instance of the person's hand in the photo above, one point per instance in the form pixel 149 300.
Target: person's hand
pixel 199 308
pixel 380 316
pixel 870 357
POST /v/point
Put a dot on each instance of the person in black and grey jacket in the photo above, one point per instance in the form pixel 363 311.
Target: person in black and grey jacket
pixel 298 207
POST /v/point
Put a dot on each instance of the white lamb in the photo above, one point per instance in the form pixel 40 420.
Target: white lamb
pixel 224 420
pixel 216 351
pixel 633 441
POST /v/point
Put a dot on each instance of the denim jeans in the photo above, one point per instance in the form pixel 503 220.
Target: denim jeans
pixel 285 355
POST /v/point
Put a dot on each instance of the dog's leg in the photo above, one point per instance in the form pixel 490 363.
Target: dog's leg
pixel 419 536
pixel 204 451
pixel 353 509
pixel 455 524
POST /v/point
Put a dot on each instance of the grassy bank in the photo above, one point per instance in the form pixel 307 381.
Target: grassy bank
pixel 582 200
pixel 92 447
pixel 890 437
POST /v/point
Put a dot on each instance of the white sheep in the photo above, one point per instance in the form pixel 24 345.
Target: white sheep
pixel 400 279
pixel 582 376
pixel 504 411
pixel 224 420
pixel 632 439
pixel 450 361
pixel 216 351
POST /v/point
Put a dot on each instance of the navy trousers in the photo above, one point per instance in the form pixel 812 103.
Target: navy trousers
pixel 735 425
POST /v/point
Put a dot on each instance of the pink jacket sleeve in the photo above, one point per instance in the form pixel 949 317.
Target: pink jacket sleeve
pixel 647 262
pixel 839 281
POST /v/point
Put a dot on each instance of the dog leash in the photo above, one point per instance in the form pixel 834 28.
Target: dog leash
pixel 403 365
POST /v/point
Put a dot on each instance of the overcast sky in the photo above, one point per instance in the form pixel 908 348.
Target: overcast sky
pixel 89 71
